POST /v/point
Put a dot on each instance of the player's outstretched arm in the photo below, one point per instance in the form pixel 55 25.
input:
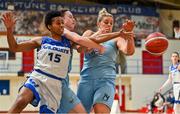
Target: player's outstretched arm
pixel 126 43
pixel 128 47
pixel 168 81
pixel 84 41
pixel 100 38
pixel 9 22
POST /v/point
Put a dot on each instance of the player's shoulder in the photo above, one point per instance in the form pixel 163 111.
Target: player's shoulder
pixel 37 39
pixel 170 67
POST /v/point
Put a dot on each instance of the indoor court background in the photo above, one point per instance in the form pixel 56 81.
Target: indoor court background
pixel 143 74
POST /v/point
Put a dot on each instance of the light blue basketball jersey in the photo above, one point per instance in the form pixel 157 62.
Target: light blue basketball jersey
pixel 175 73
pixel 53 57
pixel 100 65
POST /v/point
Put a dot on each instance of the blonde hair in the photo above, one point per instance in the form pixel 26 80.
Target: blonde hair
pixel 103 13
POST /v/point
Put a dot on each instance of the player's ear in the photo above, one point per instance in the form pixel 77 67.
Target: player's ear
pixel 49 27
pixel 98 23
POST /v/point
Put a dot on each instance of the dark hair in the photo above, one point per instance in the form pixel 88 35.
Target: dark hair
pixel 49 16
pixel 63 11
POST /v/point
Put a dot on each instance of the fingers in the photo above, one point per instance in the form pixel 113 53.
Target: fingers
pixel 9 20
pixel 2 19
pixel 8 16
pixel 128 33
pixel 128 25
pixel 129 21
pixel 125 34
pixel 15 20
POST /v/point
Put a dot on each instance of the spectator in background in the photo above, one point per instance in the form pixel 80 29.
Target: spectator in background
pixel 176 29
pixel 177 32
pixel 157 104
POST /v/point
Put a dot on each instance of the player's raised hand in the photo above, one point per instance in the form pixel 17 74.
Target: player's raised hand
pixel 126 35
pixel 9 20
pixel 128 26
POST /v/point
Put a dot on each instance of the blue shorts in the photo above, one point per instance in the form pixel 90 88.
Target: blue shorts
pixel 69 99
pixel 91 92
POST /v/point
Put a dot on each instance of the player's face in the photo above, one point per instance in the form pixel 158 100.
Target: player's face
pixel 69 21
pixel 174 58
pixel 106 24
pixel 57 25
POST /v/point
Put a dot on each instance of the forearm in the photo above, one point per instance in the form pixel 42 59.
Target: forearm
pixel 126 45
pixel 84 41
pixel 104 37
pixel 11 40
pixel 166 83
pixel 130 47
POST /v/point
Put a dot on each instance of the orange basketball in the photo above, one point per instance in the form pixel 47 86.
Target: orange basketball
pixel 156 43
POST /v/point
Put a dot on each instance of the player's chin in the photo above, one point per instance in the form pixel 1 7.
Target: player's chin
pixel 60 32
pixel 108 31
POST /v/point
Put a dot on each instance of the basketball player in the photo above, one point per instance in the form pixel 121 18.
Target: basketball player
pixel 70 103
pixel 97 84
pixel 174 78
pixel 44 83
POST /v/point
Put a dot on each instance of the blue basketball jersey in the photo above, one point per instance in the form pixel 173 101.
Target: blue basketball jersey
pixel 53 57
pixel 175 73
pixel 100 65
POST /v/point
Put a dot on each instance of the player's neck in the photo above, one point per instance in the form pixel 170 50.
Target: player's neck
pixel 56 37
pixel 175 63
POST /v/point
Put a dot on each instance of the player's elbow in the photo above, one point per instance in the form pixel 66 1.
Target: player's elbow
pixel 128 52
pixel 12 49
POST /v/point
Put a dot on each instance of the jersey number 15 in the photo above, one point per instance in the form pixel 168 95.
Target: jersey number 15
pixel 54 57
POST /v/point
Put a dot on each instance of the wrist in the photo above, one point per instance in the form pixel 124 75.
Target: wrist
pixel 9 30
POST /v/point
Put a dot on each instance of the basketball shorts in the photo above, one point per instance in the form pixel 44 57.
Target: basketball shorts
pixel 91 92
pixel 69 99
pixel 176 91
pixel 47 91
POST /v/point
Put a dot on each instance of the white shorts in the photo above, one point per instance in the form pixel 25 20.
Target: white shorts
pixel 176 91
pixel 46 90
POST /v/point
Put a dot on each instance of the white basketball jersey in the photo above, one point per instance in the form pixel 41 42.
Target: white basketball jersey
pixel 175 73
pixel 53 57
